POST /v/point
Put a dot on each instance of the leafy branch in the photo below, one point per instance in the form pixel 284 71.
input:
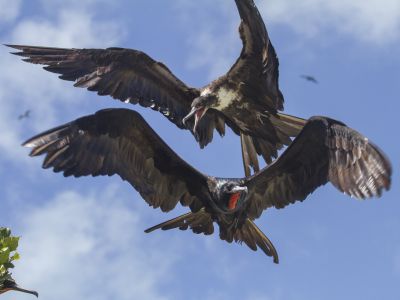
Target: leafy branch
pixel 9 254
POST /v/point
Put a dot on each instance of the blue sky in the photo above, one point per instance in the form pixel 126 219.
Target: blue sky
pixel 83 238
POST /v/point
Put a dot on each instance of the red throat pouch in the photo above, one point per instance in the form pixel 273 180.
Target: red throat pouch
pixel 233 201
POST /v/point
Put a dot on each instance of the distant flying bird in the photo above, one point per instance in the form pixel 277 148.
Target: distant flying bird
pixel 247 98
pixel 26 114
pixel 309 78
pixel 119 141
pixel 10 285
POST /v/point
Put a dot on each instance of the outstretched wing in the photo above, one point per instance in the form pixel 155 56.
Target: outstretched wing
pixel 258 63
pixel 127 75
pixel 325 150
pixel 119 141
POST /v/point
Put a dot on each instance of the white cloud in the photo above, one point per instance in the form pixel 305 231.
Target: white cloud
pixel 208 52
pixel 73 28
pixel 211 45
pixel 373 21
pixel 91 247
pixel 9 10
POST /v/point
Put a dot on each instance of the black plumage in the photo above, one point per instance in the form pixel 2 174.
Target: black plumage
pixel 25 115
pixel 247 98
pixel 309 78
pixel 119 141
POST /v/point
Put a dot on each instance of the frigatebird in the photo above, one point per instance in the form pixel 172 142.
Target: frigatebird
pixel 10 285
pixel 119 141
pixel 247 98
pixel 309 78
pixel 25 115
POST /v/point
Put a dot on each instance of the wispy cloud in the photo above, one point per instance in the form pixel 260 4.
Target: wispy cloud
pixel 93 246
pixel 9 10
pixel 372 21
pixel 72 28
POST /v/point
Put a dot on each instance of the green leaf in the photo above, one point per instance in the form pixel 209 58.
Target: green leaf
pixel 16 256
pixel 8 254
pixel 4 255
pixel 11 242
pixel 4 232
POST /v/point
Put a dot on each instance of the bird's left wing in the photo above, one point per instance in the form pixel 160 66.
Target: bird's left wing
pixel 325 150
pixel 119 141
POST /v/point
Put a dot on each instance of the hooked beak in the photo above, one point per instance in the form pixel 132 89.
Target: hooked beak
pixel 19 289
pixel 198 114
pixel 237 189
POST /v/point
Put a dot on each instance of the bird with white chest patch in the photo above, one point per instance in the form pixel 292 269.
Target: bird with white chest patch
pixel 247 98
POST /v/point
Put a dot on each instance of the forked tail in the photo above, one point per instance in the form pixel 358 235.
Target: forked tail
pixel 201 222
pixel 253 237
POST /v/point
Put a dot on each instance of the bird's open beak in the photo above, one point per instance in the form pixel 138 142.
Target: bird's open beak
pixel 198 113
pixel 19 289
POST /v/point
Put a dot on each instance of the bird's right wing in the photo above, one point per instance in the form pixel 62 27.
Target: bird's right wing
pixel 119 141
pixel 127 75
pixel 325 150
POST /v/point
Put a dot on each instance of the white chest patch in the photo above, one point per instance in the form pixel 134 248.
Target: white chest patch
pixel 226 98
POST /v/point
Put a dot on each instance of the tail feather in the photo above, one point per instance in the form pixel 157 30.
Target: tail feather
pixel 288 124
pixel 198 222
pixel 170 224
pixel 249 155
pixel 253 237
pixel 285 126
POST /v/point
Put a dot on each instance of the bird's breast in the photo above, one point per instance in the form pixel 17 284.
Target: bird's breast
pixel 226 98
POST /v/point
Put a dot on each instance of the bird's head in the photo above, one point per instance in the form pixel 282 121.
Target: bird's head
pixel 231 196
pixel 199 106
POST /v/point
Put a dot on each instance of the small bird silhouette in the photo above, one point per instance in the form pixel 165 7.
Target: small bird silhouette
pixel 26 114
pixel 309 78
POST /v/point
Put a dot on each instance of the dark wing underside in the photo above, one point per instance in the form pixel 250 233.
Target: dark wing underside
pixel 127 75
pixel 258 63
pixel 325 150
pixel 119 141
